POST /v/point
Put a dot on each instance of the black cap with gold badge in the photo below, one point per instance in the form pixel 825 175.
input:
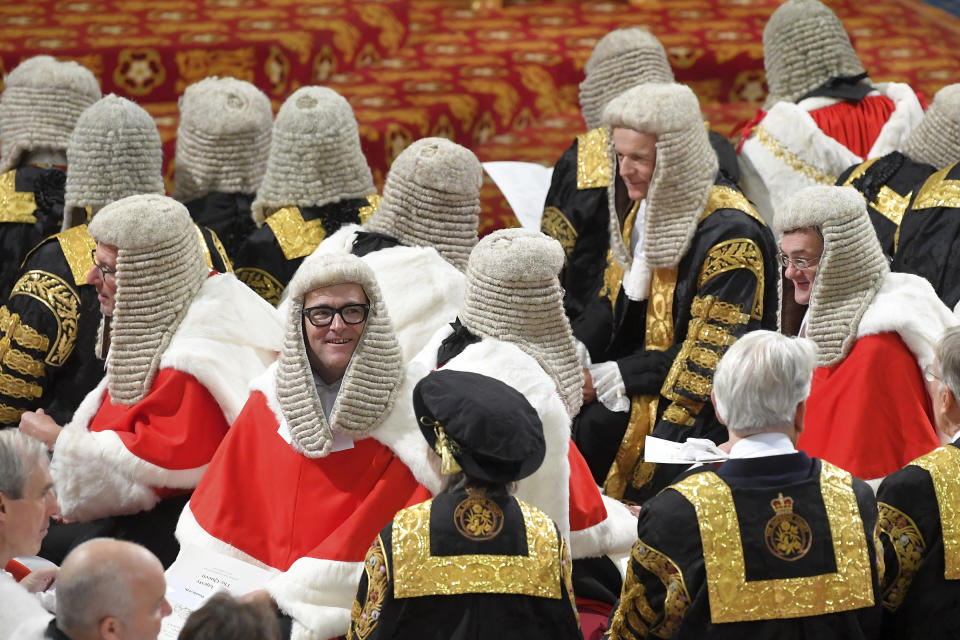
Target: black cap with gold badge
pixel 479 425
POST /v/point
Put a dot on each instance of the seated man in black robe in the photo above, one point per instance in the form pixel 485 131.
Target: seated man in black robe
pixel 694 270
pixel 473 562
pixel 770 544
pixel 918 525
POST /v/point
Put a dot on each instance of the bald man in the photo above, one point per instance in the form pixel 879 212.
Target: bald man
pixel 109 589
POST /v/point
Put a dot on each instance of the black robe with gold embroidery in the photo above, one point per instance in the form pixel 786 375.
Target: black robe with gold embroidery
pixel 271 255
pixel 465 567
pixel 781 547
pixel 667 347
pixel 48 328
pixel 227 215
pixel 887 183
pixel 930 234
pixel 31 208
pixel 920 532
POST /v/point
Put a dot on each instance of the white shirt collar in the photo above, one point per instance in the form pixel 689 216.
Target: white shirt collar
pixel 763 444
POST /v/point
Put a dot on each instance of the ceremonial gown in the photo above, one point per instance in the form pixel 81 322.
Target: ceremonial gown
pixel 31 208
pixel 465 565
pixel 887 185
pixel 668 345
pixel 116 460
pixel 920 532
pixel 812 141
pixel 930 234
pixel 268 258
pixel 776 547
pixel 227 215
pixel 871 413
pixel 311 520
pixel 48 328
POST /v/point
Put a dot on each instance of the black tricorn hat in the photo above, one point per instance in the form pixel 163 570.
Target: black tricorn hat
pixel 479 425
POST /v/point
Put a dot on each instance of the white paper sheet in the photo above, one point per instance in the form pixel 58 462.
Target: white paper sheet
pixel 525 186
pixel 198 574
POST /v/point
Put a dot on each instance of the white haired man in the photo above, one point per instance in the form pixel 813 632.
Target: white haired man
pixel 918 525
pixel 770 544
pixel 109 590
pixel 27 502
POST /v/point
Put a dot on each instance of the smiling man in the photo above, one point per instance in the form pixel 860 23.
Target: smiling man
pixel 875 331
pixel 323 454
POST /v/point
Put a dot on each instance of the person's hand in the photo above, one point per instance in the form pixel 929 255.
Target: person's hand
pixel 39 425
pixel 39 579
pixel 589 393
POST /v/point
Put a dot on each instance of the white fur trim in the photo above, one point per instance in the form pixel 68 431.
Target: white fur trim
pixel 398 431
pixel 548 488
pixel 318 595
pixel 615 535
pixel 908 305
pixel 906 115
pixel 97 476
pixel 189 532
pixel 227 338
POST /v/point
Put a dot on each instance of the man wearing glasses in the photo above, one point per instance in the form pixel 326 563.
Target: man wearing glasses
pixel 869 410
pixel 323 454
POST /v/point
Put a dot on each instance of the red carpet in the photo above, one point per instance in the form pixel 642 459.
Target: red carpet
pixel 503 83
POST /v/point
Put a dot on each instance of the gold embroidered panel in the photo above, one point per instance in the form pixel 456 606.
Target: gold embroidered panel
pixel 792 160
pixel 634 610
pixel 24 335
pixel 677 598
pixel 937 191
pixel 365 212
pixel 891 204
pixel 908 545
pixel 612 279
pixel 594 165
pixel 734 599
pixel 264 284
pixel 555 224
pixel 297 237
pixel 15 206
pixel 417 573
pixel 76 243
pixel 659 329
pixel 943 464
pixel 221 251
pixel 722 197
pixel 203 246
pixel 859 171
pixel 738 253
pixel 643 416
pixel 62 300
pixel 364 618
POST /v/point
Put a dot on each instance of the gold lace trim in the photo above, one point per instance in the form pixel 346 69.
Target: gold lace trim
pixel 735 599
pixel 364 213
pixel 76 243
pixel 16 388
pixel 937 191
pixel 908 545
pixel 15 206
pixel 264 284
pixel 634 615
pixel 63 301
pixel 10 415
pixel 722 197
pixel 297 237
pixel 791 159
pixel 594 167
pixel 677 598
pixel 643 416
pixel 23 363
pixel 943 464
pixel 221 251
pixel 555 224
pixel 738 253
pixel 659 336
pixel 366 617
pixel 418 573
pixel 24 335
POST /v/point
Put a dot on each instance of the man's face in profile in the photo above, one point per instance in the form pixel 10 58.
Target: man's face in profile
pixel 636 160
pixel 330 347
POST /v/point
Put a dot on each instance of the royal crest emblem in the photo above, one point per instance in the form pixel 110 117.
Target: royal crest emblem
pixel 478 517
pixel 788 536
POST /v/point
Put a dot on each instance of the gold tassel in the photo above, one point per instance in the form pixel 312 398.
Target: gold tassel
pixel 446 448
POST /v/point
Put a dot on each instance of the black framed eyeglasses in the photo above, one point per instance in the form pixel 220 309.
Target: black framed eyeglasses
pixel 104 271
pixel 798 263
pixel 322 316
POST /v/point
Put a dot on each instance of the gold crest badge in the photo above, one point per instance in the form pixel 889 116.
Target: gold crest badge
pixel 788 536
pixel 478 517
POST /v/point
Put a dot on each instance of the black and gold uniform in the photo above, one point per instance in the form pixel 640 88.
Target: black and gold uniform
pixel 920 531
pixel 31 208
pixel 887 183
pixel 227 215
pixel 776 547
pixel 930 234
pixel 48 327
pixel 668 346
pixel 270 256
pixel 467 565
